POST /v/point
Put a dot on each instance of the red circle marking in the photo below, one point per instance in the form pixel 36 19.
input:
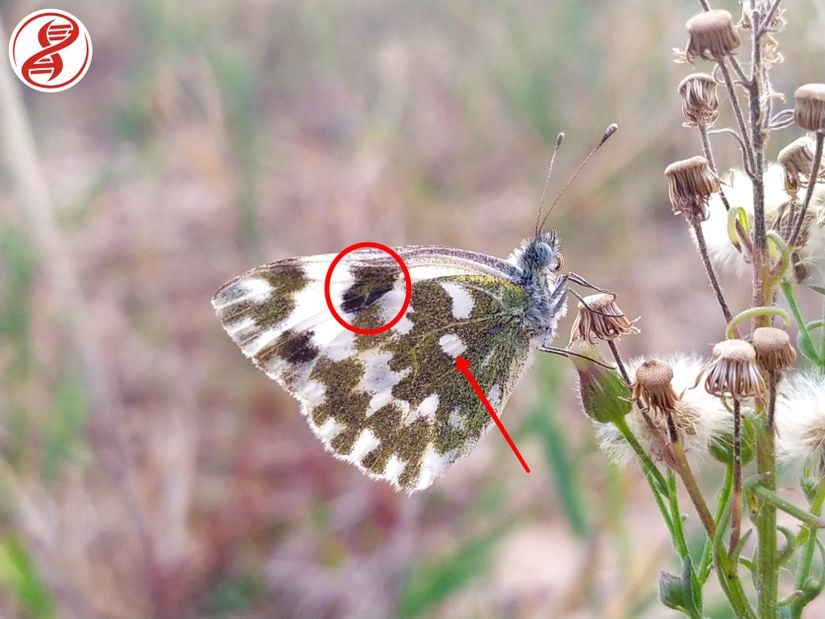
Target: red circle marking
pixel 407 284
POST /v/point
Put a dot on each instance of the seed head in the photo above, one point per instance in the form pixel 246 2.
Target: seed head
pixel 711 36
pixel 774 352
pixel 796 159
pixel 699 419
pixel 691 183
pixel 653 387
pixel 732 371
pixel 700 105
pixel 599 318
pixel 809 111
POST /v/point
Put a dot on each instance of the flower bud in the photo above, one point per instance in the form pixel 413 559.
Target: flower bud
pixel 732 371
pixel 599 318
pixel 809 111
pixel 711 35
pixel 605 396
pixel 700 105
pixel 690 184
pixel 774 352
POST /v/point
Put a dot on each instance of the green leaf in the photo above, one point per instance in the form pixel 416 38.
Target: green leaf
pixel 818 289
pixel 543 419
pixel 19 576
pixel 433 581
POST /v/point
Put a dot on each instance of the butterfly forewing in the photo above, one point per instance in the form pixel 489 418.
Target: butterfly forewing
pixel 393 403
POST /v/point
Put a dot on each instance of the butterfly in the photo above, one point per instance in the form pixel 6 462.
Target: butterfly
pixel 393 403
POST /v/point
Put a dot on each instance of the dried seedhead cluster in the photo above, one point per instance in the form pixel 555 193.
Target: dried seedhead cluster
pixel 747 407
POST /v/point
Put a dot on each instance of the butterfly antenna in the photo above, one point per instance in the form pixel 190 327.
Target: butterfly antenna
pixel 611 129
pixel 559 140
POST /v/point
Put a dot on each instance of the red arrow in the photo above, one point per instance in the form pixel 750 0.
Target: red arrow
pixel 463 366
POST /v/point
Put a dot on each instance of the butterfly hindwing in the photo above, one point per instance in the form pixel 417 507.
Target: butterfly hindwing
pixel 393 403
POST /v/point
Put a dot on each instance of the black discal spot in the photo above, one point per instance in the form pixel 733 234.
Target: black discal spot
pixel 294 348
pixel 371 283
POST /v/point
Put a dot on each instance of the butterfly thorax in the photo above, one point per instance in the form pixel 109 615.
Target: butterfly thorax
pixel 539 260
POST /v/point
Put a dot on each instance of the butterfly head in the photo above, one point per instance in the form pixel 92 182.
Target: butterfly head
pixel 539 254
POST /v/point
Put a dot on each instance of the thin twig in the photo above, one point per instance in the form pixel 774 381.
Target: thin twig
pixel 763 26
pixel 742 148
pixel 740 118
pixel 714 283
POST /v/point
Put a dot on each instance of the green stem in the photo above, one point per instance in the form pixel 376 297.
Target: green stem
pixel 679 540
pixel 805 341
pixel 767 568
pixel 649 468
pixel 753 312
pixel 726 571
pixel 806 559
pixel 721 506
pixel 807 518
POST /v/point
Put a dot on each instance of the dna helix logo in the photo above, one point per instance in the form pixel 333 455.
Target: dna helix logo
pixel 50 50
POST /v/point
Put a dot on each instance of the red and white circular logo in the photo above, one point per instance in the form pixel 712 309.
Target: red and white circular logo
pixel 50 50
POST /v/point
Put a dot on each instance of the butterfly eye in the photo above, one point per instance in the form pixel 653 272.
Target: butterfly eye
pixel 543 253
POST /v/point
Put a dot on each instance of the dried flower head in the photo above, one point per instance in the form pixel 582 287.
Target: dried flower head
pixel 809 111
pixel 700 105
pixel 700 419
pixel 774 352
pixel 599 318
pixel 653 388
pixel 732 371
pixel 690 184
pixel 796 159
pixel 711 35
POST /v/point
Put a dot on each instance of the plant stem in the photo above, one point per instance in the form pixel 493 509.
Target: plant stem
pixel 676 513
pixel 736 504
pixel 714 283
pixel 740 118
pixel 655 480
pixel 806 559
pixel 721 506
pixel 767 569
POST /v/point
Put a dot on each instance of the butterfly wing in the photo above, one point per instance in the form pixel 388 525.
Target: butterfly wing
pixel 392 404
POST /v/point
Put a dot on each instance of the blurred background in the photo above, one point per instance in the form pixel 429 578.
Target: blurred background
pixel 149 470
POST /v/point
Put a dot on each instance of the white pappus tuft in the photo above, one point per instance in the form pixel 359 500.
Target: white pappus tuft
pixel 800 418
pixel 738 190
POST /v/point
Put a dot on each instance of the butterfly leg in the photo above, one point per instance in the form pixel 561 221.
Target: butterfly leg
pixel 578 279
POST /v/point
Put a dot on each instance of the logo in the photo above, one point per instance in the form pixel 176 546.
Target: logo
pixel 50 50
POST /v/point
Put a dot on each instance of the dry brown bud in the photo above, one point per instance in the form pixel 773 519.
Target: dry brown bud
pixel 599 318
pixel 653 387
pixel 796 159
pixel 711 35
pixel 700 105
pixel 732 371
pixel 691 183
pixel 809 111
pixel 774 352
